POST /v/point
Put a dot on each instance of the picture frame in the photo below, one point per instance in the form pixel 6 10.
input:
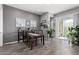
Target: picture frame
pixel 43 21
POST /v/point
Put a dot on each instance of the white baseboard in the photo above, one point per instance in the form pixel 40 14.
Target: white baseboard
pixel 11 42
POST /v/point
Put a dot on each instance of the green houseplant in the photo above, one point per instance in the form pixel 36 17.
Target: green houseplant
pixel 50 31
pixel 74 34
pixel 71 34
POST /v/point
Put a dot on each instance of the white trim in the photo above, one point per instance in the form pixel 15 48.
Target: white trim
pixel 11 42
pixel 1 25
pixel 1 39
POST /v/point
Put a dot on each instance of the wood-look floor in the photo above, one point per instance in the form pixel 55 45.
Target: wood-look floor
pixel 51 47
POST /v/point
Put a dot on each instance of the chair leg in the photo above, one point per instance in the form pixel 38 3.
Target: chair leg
pixel 18 40
pixel 41 39
pixel 31 46
pixel 36 41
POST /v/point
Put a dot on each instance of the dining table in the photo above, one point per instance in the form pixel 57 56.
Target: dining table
pixel 34 37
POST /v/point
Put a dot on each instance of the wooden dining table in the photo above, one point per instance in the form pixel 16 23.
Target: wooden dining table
pixel 34 36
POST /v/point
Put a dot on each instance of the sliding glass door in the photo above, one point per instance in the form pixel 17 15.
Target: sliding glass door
pixel 67 23
pixel 62 26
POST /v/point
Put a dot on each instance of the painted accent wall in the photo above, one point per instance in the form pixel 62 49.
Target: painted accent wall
pixel 9 22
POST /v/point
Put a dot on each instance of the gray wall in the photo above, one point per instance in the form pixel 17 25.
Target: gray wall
pixel 68 12
pixel 9 22
pixel 44 17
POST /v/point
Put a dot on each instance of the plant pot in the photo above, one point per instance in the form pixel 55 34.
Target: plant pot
pixel 75 42
pixel 78 42
pixel 72 42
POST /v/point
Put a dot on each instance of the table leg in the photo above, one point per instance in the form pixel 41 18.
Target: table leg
pixel 18 38
pixel 23 39
pixel 43 39
pixel 28 42
pixel 31 46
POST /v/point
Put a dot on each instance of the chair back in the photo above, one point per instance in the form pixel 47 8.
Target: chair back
pixel 38 31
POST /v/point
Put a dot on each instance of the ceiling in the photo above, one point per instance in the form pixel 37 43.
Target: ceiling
pixel 43 8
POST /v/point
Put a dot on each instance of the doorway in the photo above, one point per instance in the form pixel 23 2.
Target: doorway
pixel 63 26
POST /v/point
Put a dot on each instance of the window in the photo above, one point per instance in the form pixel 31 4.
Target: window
pixel 20 22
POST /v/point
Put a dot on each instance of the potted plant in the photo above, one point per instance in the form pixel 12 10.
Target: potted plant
pixel 50 31
pixel 74 34
pixel 70 34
